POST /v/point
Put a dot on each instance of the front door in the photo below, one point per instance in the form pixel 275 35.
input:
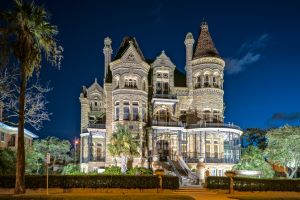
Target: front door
pixel 162 150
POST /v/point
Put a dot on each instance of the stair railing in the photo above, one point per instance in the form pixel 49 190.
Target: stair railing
pixel 175 169
pixel 186 168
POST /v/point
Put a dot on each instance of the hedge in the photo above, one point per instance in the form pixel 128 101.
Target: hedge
pixel 92 181
pixel 254 184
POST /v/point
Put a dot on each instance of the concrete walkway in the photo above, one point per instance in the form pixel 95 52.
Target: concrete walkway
pixel 196 193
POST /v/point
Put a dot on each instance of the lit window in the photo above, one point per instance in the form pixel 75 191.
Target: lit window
pixel 126 111
pixel 117 111
pixel 135 111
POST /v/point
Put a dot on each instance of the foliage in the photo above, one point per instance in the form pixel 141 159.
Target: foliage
pixel 58 149
pixel 139 171
pixel 7 162
pixel 124 145
pixel 255 137
pixel 253 184
pixel 252 159
pixel 284 148
pixel 25 34
pixel 113 170
pixel 71 169
pixel 93 181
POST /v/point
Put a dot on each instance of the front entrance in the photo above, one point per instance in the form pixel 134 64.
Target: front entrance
pixel 162 147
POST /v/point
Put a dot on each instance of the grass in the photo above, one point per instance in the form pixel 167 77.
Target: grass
pixel 99 197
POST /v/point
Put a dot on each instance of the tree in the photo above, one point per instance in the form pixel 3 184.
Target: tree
pixel 35 100
pixel 253 159
pixel 71 169
pixel 124 145
pixel 284 148
pixel 59 151
pixel 26 33
pixel 255 137
pixel 7 162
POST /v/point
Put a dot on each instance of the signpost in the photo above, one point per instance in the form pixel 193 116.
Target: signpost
pixel 47 179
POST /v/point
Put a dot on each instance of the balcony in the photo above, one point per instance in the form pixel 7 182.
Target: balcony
pixel 213 125
pixel 193 157
pixel 168 124
pixel 97 126
pixel 165 96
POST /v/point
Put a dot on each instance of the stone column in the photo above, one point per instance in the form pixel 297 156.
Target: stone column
pixel 201 171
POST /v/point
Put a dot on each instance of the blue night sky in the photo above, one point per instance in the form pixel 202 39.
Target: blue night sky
pixel 259 40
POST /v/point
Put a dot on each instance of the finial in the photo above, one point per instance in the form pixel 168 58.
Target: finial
pixel 204 24
pixel 95 80
pixel 107 41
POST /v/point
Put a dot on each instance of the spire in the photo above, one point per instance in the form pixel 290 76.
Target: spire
pixel 205 46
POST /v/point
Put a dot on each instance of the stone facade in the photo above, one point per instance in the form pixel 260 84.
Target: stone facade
pixel 173 115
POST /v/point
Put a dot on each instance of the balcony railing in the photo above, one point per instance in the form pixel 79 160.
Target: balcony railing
pixel 97 126
pixel 213 125
pixel 169 124
pixel 166 96
pixel 210 158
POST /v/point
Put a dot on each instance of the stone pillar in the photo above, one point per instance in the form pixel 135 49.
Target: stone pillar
pixel 201 171
pixel 179 143
pixel 109 120
pixel 107 51
pixel 189 43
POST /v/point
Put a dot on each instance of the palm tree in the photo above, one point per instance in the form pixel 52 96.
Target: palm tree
pixel 26 34
pixel 124 145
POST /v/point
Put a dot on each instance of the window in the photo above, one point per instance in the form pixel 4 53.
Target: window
pixel 198 82
pixel 126 111
pixel 2 136
pixel 98 152
pixel 144 112
pixel 135 111
pixel 12 141
pixel 144 85
pixel 206 81
pixel 117 111
pixel 130 83
pixel 207 150
pixel 216 151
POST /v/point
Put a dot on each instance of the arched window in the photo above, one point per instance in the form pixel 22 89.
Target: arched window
pixel 206 81
pixel 198 82
pixel 117 111
pixel 126 111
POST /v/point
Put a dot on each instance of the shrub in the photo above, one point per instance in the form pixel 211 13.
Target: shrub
pixel 139 171
pixel 254 184
pixel 92 181
pixel 113 170
pixel 71 169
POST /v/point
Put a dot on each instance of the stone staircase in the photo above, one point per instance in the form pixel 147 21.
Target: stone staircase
pixel 183 174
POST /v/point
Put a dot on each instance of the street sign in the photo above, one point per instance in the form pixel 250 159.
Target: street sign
pixel 48 158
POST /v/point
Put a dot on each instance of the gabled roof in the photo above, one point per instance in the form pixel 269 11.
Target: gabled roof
pixel 125 45
pixel 163 60
pixel 95 86
pixel 12 129
pixel 205 46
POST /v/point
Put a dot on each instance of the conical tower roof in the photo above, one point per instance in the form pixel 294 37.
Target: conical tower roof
pixel 205 45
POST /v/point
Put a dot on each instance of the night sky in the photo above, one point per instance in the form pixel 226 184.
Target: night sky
pixel 259 41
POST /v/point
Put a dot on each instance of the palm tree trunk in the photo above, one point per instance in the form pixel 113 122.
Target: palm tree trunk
pixel 20 167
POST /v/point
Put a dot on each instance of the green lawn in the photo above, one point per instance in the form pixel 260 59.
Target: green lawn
pixel 100 197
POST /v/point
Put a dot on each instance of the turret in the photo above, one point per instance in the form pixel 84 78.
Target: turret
pixel 107 51
pixel 189 43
